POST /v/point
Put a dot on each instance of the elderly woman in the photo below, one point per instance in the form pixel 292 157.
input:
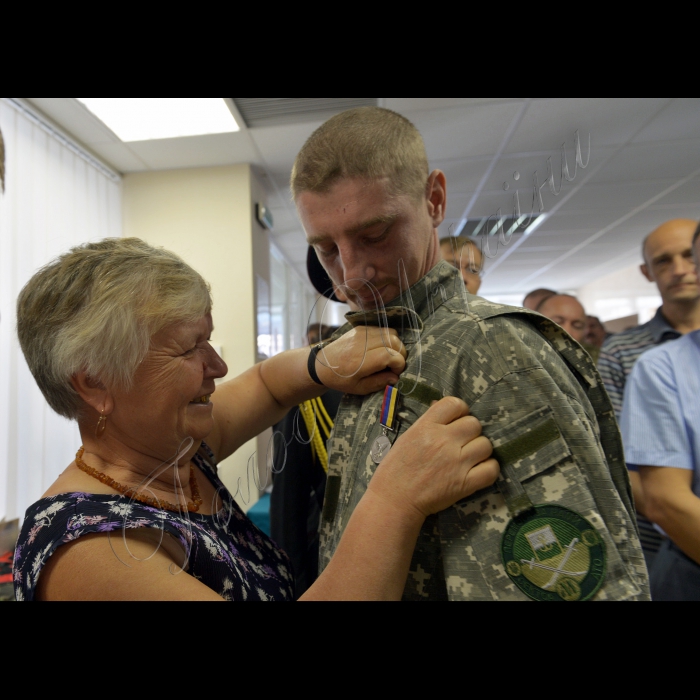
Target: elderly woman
pixel 117 335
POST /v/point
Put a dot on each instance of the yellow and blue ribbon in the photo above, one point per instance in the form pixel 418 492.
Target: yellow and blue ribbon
pixel 391 400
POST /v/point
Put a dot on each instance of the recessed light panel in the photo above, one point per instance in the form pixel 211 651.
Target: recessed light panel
pixel 149 118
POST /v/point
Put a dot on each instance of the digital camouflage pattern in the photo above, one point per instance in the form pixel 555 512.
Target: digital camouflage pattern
pixel 522 377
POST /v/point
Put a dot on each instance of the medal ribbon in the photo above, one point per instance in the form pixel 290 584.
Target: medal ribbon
pixel 388 416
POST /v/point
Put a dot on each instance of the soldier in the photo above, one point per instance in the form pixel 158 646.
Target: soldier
pixel 559 524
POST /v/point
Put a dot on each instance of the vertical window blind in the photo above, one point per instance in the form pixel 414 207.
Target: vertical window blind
pixel 56 196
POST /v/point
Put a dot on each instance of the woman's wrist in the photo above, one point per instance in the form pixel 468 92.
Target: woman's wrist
pixel 312 362
pixel 396 507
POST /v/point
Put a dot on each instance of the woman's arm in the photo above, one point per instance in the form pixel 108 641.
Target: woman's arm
pixel 361 362
pixel 439 461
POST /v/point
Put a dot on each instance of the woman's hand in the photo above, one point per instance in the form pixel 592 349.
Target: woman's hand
pixel 439 461
pixel 362 361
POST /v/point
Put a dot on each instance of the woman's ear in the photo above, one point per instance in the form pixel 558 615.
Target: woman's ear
pixel 93 392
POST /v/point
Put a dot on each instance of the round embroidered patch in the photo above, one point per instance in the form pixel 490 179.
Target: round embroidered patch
pixel 553 554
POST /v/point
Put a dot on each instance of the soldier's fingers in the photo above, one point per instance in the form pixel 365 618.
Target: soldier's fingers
pixel 446 411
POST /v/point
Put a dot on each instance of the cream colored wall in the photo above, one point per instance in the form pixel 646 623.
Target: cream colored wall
pixel 206 215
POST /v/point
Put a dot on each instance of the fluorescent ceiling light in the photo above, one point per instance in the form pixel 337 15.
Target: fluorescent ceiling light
pixel 148 118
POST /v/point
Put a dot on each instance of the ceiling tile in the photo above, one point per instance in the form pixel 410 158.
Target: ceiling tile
pixel 680 120
pixel 196 151
pixel 618 197
pixel 464 132
pixel 463 175
pixel 525 165
pixel 280 145
pixel 688 194
pixel 75 118
pixel 415 104
pixel 550 122
pixel 120 157
pixel 651 161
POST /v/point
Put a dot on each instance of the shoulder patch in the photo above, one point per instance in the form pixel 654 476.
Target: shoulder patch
pixel 554 554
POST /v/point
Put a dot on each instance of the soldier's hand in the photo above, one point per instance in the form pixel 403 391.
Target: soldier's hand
pixel 363 361
pixel 440 460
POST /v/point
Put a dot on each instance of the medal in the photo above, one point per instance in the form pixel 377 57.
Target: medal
pixel 382 445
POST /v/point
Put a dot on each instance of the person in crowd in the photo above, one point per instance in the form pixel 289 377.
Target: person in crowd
pixel 566 311
pixel 464 254
pixel 596 334
pixel 371 209
pixel 661 429
pixel 316 332
pixel 536 297
pixel 2 163
pixel 668 262
pixel 116 334
pixel 299 474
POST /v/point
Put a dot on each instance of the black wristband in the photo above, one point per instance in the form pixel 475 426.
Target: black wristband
pixel 312 363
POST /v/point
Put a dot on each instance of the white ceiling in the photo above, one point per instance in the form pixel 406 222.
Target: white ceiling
pixel 644 170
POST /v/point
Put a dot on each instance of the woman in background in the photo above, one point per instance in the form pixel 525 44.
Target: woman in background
pixel 117 336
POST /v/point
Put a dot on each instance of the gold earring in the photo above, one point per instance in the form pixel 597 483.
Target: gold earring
pixel 101 425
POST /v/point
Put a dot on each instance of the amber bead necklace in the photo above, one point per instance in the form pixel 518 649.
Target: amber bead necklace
pixel 192 506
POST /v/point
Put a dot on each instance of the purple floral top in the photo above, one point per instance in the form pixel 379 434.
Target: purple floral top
pixel 224 551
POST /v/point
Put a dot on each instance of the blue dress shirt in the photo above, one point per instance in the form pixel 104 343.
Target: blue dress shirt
pixel 661 414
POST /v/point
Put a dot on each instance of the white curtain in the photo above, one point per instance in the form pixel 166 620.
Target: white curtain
pixel 56 197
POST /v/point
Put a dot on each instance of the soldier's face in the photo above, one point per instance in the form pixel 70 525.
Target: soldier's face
pixel 362 234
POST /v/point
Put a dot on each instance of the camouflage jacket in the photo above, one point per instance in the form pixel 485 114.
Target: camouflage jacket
pixel 520 374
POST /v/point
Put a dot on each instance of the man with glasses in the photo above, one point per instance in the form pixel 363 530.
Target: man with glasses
pixel 464 254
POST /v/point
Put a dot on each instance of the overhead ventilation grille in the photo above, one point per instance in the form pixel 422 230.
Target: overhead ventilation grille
pixel 494 226
pixel 270 111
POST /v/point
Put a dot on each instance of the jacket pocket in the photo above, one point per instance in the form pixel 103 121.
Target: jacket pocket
pixel 530 445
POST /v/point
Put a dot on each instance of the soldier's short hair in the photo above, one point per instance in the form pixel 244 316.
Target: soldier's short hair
pixel 96 308
pixel 368 143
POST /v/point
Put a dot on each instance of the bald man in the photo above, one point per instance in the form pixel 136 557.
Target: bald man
pixel 566 311
pixel 669 263
pixel 536 297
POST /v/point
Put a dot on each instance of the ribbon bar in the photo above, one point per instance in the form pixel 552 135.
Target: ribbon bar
pixel 391 400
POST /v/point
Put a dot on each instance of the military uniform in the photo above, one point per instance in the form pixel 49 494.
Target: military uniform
pixel 540 401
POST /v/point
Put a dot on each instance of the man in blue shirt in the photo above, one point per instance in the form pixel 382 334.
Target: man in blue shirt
pixel 669 263
pixel 661 431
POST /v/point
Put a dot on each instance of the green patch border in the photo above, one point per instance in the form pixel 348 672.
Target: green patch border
pixel 596 575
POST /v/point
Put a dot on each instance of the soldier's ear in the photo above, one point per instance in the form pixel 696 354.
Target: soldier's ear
pixel 646 272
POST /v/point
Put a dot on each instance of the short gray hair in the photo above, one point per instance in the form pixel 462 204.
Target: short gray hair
pixel 96 308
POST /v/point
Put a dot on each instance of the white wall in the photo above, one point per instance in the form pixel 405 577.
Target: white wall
pixel 624 293
pixel 206 215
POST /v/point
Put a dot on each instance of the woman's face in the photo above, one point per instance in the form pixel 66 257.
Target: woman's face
pixel 170 397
